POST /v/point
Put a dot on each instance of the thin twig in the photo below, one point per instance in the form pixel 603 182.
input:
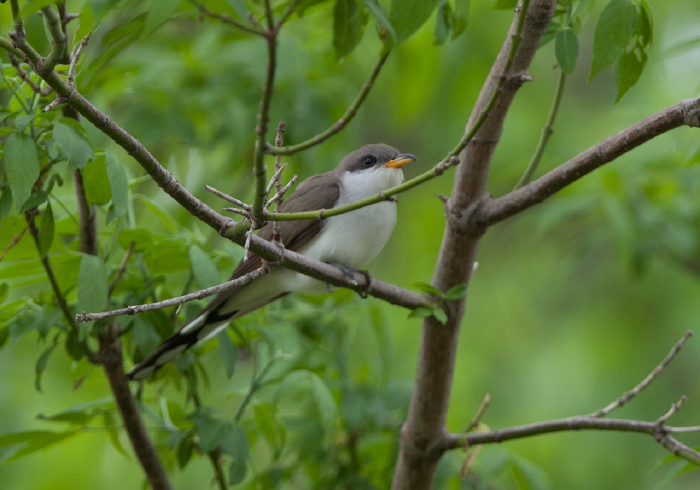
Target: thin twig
pixel 26 77
pixel 646 381
pixel 15 240
pixel 121 268
pixel 675 408
pixel 228 198
pixel 259 170
pixel 131 310
pixel 226 19
pixel 547 131
pixel 341 123
pixel 76 56
pixel 479 413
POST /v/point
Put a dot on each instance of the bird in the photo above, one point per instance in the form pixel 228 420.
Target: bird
pixel 350 241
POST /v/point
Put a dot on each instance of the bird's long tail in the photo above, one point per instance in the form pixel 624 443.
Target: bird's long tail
pixel 201 328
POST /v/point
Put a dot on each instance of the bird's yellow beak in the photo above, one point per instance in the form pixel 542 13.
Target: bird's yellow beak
pixel 400 160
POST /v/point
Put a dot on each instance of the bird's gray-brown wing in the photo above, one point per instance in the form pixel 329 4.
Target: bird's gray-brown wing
pixel 317 192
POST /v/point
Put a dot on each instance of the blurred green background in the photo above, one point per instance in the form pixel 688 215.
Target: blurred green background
pixel 573 303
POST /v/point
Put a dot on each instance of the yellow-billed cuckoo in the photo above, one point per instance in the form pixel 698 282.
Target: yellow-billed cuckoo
pixel 352 240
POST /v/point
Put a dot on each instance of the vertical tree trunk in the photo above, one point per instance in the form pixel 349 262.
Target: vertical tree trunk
pixel 424 430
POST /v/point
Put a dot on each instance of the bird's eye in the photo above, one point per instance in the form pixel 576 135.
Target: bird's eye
pixel 369 160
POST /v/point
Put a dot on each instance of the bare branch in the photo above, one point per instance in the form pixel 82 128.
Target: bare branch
pixel 228 198
pixel 111 358
pixel 675 408
pixel 131 310
pixel 547 131
pixel 646 381
pixel 686 112
pixel 586 422
pixel 479 413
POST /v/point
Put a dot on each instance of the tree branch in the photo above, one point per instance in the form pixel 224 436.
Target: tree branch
pixel 661 433
pixel 686 112
pixel 111 359
pixel 132 310
pixel 259 169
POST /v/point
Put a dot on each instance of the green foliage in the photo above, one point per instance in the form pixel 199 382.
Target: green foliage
pixel 310 393
pixel 623 36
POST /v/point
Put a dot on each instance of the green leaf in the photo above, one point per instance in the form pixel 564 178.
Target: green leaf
pixel 72 143
pixel 184 451
pixel 23 444
pixel 34 201
pixel 236 445
pixel 203 268
pixel 528 475
pixel 92 286
pixel 421 312
pixel 443 22
pixel 614 31
pixel 228 352
pixel 347 26
pixel 566 50
pixel 439 315
pixel 645 26
pixel 460 18
pixel 408 15
pixel 456 292
pixel 96 182
pixel 120 187
pixel 426 288
pixel 145 335
pixel 21 165
pixel 379 14
pixel 40 366
pixel 629 69
pixel 46 230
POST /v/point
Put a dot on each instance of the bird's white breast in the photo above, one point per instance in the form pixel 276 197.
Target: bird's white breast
pixel 354 239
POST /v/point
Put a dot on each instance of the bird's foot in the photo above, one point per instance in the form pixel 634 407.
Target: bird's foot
pixel 350 277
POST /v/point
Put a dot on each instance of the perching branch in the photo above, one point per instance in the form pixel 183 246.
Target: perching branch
pixel 132 310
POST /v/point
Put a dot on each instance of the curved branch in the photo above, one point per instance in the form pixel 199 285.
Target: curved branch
pixel 340 123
